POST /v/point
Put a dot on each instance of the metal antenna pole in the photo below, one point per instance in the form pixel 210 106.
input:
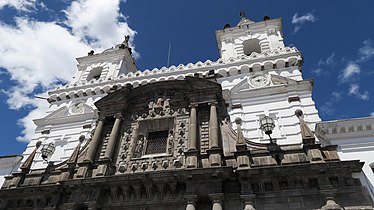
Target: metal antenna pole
pixel 169 55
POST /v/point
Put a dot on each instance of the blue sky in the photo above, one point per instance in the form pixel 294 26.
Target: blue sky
pixel 40 39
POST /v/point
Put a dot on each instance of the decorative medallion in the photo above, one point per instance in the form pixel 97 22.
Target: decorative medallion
pixel 76 108
pixel 259 80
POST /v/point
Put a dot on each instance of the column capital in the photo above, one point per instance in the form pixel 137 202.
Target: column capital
pixel 118 116
pixel 216 197
pixel 193 105
pixel 213 103
pixel 190 199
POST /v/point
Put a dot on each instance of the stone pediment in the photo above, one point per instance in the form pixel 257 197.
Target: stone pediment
pixel 65 115
pixel 137 99
pixel 259 80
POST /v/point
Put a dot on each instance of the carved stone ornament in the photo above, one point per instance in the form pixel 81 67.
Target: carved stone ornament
pixel 259 80
pixel 139 147
pixel 159 107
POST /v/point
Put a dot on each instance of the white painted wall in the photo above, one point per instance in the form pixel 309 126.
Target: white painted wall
pixel 8 165
pixel 359 149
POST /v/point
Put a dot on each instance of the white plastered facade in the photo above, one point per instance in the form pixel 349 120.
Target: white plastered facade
pixel 283 92
pixel 355 141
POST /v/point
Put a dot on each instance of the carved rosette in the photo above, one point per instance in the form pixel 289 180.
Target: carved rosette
pixel 124 150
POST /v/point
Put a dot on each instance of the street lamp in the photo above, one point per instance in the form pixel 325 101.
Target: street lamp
pixel 47 151
pixel 267 125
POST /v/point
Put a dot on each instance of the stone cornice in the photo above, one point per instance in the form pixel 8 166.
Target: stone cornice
pixel 106 55
pixel 9 161
pixel 277 59
pixel 345 129
pixel 300 86
pixel 237 31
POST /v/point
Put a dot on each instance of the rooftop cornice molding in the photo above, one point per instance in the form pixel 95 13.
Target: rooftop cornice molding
pixel 280 58
pixel 258 27
pixel 62 116
pixel 9 161
pixel 345 129
pixel 104 56
pixel 251 28
pixel 300 86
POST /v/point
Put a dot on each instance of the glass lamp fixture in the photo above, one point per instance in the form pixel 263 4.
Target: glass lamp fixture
pixel 47 150
pixel 267 125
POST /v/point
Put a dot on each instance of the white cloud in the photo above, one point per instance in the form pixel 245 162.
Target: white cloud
pixel 372 114
pixel 354 90
pixel 21 5
pixel 308 17
pixel 329 61
pixel 27 122
pixel 96 21
pixel 328 108
pixel 335 96
pixel 299 21
pixel 318 71
pixel 349 72
pixel 366 52
pixel 37 55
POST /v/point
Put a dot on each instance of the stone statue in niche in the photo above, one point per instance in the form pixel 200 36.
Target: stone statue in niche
pixel 158 103
pixel 161 106
pixel 170 141
pixel 139 147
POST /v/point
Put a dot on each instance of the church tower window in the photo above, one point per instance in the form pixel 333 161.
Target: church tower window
pixel 95 73
pixel 251 45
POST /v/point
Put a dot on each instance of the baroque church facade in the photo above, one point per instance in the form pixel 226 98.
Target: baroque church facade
pixel 188 136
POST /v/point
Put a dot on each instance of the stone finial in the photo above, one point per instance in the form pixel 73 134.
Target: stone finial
pixel 27 164
pixel 81 138
pixel 240 136
pixel 242 14
pixel 306 133
pixel 74 157
pixel 238 120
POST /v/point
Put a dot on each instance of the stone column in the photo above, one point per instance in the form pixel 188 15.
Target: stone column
pixel 213 126
pixel 217 201
pixel 192 129
pixel 113 137
pixel 242 153
pixel 92 147
pixel 214 151
pixel 248 202
pixel 191 153
pixel 191 201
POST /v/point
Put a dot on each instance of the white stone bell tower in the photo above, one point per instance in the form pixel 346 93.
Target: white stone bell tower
pixel 249 37
pixel 262 77
pixel 106 65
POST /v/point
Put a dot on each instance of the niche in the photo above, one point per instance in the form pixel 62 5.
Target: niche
pixel 251 45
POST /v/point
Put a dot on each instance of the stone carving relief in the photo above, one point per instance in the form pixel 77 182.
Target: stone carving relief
pixel 139 147
pixel 170 142
pixel 126 137
pixel 159 107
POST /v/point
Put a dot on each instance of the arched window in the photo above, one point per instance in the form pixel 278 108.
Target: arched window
pixel 95 73
pixel 251 45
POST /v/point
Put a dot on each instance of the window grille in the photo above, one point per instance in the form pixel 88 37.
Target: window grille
pixel 157 142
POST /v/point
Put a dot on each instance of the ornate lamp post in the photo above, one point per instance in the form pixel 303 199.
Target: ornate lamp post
pixel 47 151
pixel 267 125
